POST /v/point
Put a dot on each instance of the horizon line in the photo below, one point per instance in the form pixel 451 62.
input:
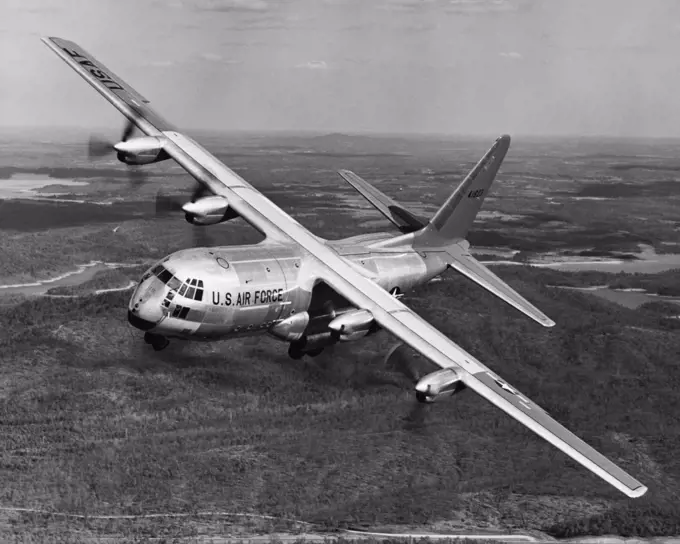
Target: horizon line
pixel 349 132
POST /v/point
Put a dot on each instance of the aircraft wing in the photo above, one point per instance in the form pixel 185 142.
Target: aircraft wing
pixel 404 220
pixel 360 290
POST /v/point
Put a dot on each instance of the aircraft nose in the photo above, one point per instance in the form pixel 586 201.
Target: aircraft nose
pixel 139 322
pixel 145 310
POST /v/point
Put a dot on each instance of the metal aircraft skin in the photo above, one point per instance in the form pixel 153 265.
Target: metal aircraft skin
pixel 312 292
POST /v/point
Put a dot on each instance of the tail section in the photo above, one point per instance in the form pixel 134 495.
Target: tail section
pixel 446 231
pixel 454 219
pixel 449 227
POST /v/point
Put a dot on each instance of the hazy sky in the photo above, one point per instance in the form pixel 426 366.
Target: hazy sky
pixel 453 66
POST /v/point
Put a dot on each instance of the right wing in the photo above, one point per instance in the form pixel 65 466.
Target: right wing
pixel 328 266
pixel 404 220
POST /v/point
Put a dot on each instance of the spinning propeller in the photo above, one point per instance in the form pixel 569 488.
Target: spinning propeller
pixel 400 360
pixel 99 147
pixel 167 205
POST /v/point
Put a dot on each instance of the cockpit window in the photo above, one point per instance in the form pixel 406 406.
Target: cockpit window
pixel 164 275
pixel 192 289
pixel 174 283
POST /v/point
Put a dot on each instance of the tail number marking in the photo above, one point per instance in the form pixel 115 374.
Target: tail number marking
pixel 476 193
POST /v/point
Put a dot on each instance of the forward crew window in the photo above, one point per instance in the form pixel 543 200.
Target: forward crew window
pixel 193 289
pixel 174 283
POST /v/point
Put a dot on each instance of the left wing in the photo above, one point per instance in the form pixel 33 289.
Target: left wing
pixel 360 290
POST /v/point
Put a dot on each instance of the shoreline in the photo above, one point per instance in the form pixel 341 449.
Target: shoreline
pixel 88 270
pixel 70 279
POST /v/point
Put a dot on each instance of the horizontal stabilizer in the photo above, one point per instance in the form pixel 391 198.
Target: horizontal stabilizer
pixel 404 220
pixel 466 264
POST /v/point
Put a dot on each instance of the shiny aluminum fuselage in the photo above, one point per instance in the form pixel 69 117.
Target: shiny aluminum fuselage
pixel 247 290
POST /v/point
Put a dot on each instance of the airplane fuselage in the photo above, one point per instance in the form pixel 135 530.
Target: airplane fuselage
pixel 218 293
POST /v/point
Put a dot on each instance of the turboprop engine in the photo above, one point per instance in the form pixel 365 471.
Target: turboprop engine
pixel 142 150
pixel 311 334
pixel 353 325
pixel 208 210
pixel 439 385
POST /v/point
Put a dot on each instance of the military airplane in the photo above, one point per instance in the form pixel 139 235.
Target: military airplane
pixel 311 292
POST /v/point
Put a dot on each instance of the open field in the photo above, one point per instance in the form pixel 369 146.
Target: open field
pixel 95 423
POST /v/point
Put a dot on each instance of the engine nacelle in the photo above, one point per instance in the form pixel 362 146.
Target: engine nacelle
pixel 292 328
pixel 353 325
pixel 439 385
pixel 208 210
pixel 142 150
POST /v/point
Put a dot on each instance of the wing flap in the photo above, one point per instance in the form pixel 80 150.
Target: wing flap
pixel 466 264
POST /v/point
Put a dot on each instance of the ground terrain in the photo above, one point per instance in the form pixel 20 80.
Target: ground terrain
pixel 94 423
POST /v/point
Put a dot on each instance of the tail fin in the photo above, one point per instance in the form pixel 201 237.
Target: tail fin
pixel 454 219
pixel 448 229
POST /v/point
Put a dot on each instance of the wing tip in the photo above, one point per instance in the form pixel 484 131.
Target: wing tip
pixel 637 492
pixel 52 42
pixel 547 322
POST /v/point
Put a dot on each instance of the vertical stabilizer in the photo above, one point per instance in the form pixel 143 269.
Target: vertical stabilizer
pixel 454 219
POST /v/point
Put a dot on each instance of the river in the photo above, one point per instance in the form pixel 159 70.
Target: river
pixel 82 274
pixel 630 298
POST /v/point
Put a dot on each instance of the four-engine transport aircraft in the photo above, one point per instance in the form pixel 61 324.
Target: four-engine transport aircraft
pixel 311 292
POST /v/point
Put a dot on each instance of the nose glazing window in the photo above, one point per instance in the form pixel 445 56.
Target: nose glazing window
pixel 180 312
pixel 166 277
